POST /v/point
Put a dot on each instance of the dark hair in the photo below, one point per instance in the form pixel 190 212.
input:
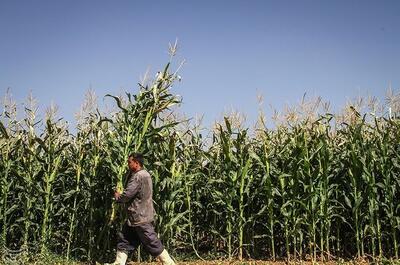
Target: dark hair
pixel 137 157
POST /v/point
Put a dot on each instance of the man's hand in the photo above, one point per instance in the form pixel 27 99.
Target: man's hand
pixel 116 195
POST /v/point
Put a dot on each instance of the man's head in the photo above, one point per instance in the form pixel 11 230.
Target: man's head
pixel 135 161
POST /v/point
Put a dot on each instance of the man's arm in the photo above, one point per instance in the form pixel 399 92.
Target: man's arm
pixel 132 188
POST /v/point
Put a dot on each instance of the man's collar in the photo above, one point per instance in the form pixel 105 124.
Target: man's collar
pixel 137 171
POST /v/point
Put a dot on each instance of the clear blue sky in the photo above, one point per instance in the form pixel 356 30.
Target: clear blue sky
pixel 234 50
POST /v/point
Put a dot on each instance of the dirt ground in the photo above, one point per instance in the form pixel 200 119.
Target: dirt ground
pixel 256 262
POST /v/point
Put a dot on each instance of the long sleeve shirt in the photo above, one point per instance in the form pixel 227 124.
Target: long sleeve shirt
pixel 138 198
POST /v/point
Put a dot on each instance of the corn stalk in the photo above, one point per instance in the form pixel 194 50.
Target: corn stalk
pixel 52 150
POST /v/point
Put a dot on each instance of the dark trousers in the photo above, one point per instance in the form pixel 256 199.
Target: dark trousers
pixel 131 236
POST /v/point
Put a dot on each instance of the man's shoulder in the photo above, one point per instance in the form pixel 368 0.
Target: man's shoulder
pixel 143 173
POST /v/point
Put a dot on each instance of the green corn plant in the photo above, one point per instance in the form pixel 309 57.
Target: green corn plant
pixel 220 157
pixel 326 186
pixel 344 212
pixel 95 147
pixel 79 154
pixel 227 170
pixel 89 185
pixel 361 155
pixel 372 192
pixel 30 171
pixel 245 182
pixel 293 173
pixel 354 168
pixel 193 159
pixel 326 189
pixel 176 166
pixel 88 150
pixel 387 155
pixel 234 161
pixel 302 178
pixel 170 187
pixel 263 157
pixel 53 148
pixel 279 172
pixel 384 156
pixel 313 199
pixel 10 143
pixel 135 122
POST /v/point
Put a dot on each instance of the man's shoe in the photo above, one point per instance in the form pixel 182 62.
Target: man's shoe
pixel 120 259
pixel 165 258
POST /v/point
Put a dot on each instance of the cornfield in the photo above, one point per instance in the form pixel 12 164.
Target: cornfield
pixel 316 186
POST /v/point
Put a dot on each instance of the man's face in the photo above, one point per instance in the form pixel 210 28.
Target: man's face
pixel 133 164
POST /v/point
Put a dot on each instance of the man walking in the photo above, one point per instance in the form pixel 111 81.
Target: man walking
pixel 138 198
